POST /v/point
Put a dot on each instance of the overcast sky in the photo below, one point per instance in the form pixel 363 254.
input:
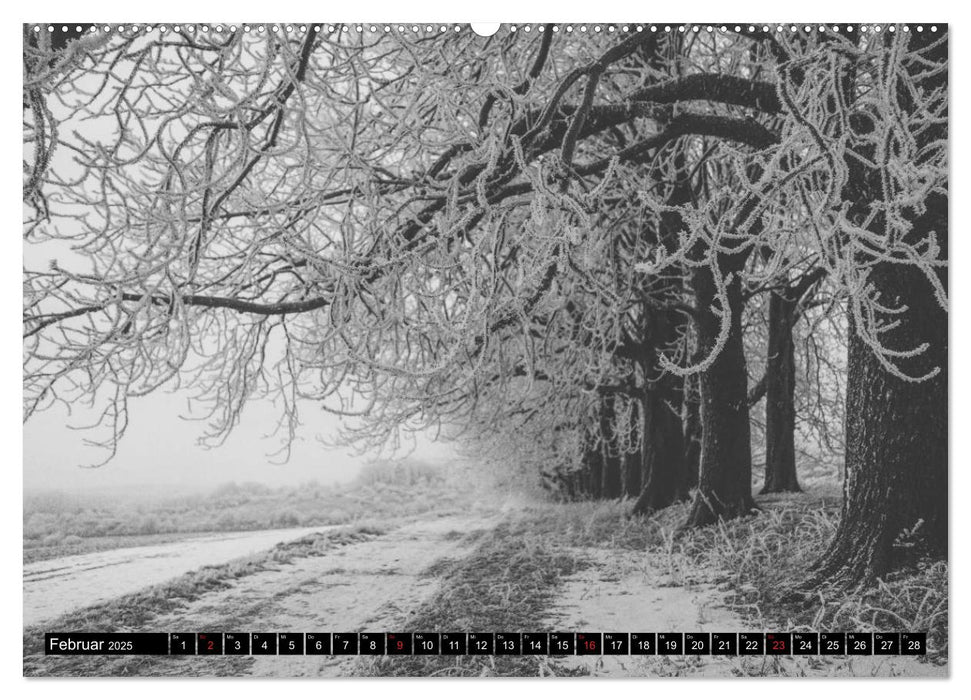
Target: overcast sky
pixel 160 450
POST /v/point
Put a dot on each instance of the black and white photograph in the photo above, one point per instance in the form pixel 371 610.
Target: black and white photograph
pixel 452 350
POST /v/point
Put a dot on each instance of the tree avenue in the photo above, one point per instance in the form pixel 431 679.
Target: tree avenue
pixel 577 253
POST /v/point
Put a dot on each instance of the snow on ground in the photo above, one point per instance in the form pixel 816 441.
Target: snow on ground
pixel 57 586
pixel 369 586
pixel 627 591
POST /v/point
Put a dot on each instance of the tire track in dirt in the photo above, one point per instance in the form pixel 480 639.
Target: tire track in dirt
pixel 54 587
pixel 369 586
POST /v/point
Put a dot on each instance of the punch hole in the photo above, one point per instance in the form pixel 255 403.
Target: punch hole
pixel 485 28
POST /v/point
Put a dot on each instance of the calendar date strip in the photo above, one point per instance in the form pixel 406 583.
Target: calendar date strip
pixel 486 643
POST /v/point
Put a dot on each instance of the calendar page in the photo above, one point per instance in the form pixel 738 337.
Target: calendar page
pixel 470 350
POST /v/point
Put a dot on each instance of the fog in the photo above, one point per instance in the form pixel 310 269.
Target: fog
pixel 160 451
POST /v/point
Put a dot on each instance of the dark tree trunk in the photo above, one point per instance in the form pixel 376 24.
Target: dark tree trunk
pixel 679 448
pixel 568 486
pixel 594 471
pixel 663 452
pixel 896 436
pixel 631 463
pixel 692 431
pixel 895 489
pixel 725 476
pixel 630 475
pixel 780 411
pixel 610 471
pixel 662 457
pixel 611 477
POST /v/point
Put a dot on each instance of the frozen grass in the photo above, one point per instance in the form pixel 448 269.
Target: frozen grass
pixel 34 551
pixel 506 584
pixel 760 560
pixel 596 524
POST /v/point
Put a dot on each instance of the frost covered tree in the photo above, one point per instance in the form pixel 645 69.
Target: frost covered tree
pixel 894 257
pixel 541 233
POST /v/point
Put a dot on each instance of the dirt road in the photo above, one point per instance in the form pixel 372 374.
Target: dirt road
pixel 368 586
pixel 56 586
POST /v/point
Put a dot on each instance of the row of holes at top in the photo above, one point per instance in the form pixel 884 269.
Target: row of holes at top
pixel 482 30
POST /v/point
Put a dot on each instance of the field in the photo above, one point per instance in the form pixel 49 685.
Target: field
pixel 58 524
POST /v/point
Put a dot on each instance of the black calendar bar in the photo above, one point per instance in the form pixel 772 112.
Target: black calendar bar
pixel 805 643
pixel 832 643
pixel 427 643
pixel 209 643
pixel 182 643
pixel 617 643
pixel 913 643
pixel 345 643
pixel 317 643
pixel 697 643
pixel 724 643
pixel 509 643
pixel 563 643
pixel 886 643
pixel 536 643
pixel 589 643
pixel 482 643
pixel 373 644
pixel 487 643
pixel 291 643
pixel 670 643
pixel 859 643
pixel 84 643
pixel 643 643
pixel 778 644
pixel 236 643
pixel 400 643
pixel 454 643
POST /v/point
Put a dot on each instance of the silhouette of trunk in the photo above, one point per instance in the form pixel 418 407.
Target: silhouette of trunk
pixel 630 475
pixel 593 470
pixel 779 383
pixel 632 463
pixel 725 475
pixel 568 486
pixel 692 431
pixel 662 457
pixel 780 410
pixel 663 452
pixel 610 471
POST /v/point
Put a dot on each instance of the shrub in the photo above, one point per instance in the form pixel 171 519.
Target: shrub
pixel 52 539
